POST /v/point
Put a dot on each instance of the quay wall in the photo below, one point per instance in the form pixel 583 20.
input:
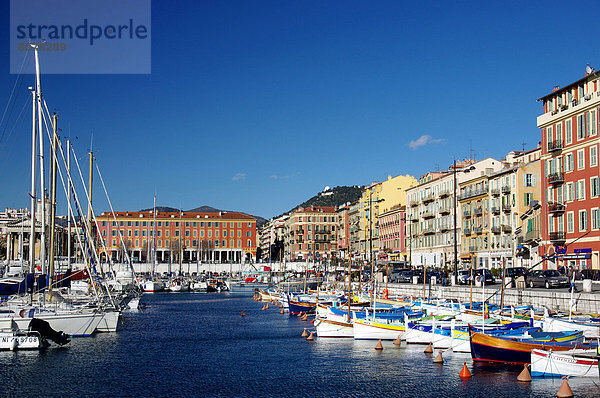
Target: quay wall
pixel 554 300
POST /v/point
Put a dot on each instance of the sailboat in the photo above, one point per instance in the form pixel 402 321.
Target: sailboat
pixel 153 285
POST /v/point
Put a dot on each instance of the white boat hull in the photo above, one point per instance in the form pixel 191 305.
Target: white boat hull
pixel 110 322
pixel 560 325
pixel 75 325
pixel 11 341
pixel 327 328
pixel 565 363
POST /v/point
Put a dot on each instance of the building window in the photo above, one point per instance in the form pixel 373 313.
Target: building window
pixel 137 223
pixel 580 159
pixel 568 132
pixel 250 243
pixel 582 220
pixel 216 233
pixel 593 156
pixel 570 192
pixel 591 125
pixel 569 162
pixel 528 198
pixel 594 187
pixel 529 180
pixel 187 233
pixel 580 127
pixel 595 218
pixel 570 227
pixel 224 233
pixel 580 190
pixel 187 223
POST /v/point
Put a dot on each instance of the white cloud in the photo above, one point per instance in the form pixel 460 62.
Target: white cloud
pixel 424 140
pixel 239 176
pixel 274 177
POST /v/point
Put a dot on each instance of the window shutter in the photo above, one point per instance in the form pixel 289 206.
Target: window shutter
pixel 533 180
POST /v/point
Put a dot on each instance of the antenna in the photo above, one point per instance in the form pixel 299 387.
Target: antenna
pixel 523 145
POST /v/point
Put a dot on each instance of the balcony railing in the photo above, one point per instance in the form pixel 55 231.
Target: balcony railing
pixel 414 204
pixel 444 192
pixel 429 231
pixel 477 230
pixel 427 214
pixel 556 208
pixel 532 235
pixel 445 227
pixel 445 210
pixel 506 208
pixel 506 189
pixel 429 197
pixel 506 228
pixel 478 211
pixel 556 178
pixel 495 210
pixel 473 193
pixel 472 248
pixel 495 229
pixel 556 236
pixel 555 146
pixel 467 213
pixel 495 191
pixel 467 231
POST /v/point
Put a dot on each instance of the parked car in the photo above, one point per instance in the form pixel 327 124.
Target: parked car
pixel 482 273
pixel 406 276
pixel 463 277
pixel 399 275
pixel 514 272
pixel 547 278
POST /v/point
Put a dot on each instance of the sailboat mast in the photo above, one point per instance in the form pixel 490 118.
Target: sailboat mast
pixel 154 236
pixel 32 193
pixel 89 213
pixel 69 205
pixel 53 203
pixel 38 92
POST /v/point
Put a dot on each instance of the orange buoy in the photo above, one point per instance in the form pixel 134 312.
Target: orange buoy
pixel 429 349
pixel 310 337
pixel 264 308
pixel 282 311
pixel 300 314
pixel 564 391
pixel 464 373
pixel 439 358
pixel 524 376
pixel 305 317
pixel 243 313
pixel 397 341
pixel 379 347
pixel 267 306
pixel 304 333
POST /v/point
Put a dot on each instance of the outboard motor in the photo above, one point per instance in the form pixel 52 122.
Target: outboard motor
pixel 46 332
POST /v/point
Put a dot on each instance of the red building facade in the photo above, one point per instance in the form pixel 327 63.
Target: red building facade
pixel 571 188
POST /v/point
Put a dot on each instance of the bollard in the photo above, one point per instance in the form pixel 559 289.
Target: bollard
pixel 524 376
pixel 464 373
pixel 379 346
pixel 429 349
pixel 304 333
pixel 397 342
pixel 310 337
pixel 564 391
pixel 439 358
pixel 243 313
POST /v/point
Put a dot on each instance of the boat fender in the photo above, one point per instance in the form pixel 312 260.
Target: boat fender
pixel 385 294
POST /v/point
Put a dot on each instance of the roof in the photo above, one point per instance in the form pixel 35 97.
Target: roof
pixel 175 214
pixel 569 86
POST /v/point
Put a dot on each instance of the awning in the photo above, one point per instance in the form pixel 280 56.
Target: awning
pixel 465 256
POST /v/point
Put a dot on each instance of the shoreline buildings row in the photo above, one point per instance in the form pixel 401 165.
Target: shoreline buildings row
pixel 540 206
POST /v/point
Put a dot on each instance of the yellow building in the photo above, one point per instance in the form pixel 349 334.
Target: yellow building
pixel 376 199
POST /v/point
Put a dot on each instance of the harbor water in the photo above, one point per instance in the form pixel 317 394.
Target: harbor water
pixel 198 344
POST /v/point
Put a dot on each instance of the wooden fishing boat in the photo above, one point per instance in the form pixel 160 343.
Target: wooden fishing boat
pixel 574 363
pixel 330 328
pixel 378 328
pixel 590 328
pixel 295 307
pixel 518 351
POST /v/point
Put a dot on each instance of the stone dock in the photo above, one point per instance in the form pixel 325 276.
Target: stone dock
pixel 586 302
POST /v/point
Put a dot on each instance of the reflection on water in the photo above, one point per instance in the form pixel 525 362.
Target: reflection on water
pixel 199 344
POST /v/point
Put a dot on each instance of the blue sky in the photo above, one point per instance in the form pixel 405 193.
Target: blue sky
pixel 256 106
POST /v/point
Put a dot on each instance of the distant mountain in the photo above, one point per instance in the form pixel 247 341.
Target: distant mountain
pixel 207 209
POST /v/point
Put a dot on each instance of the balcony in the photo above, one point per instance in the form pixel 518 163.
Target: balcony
pixel 506 189
pixel 429 197
pixel 477 212
pixel 532 236
pixel 467 194
pixel 467 231
pixel 557 237
pixel 467 214
pixel 429 231
pixel 477 230
pixel 444 210
pixel 472 248
pixel 556 208
pixel 495 229
pixel 414 204
pixel 495 191
pixel 495 210
pixel 427 214
pixel 445 227
pixel 556 178
pixel 444 193
pixel 506 228
pixel 506 208
pixel 555 146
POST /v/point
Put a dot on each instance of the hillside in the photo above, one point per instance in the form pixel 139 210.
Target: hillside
pixel 332 197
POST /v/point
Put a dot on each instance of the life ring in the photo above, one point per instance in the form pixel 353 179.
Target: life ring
pixel 385 294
